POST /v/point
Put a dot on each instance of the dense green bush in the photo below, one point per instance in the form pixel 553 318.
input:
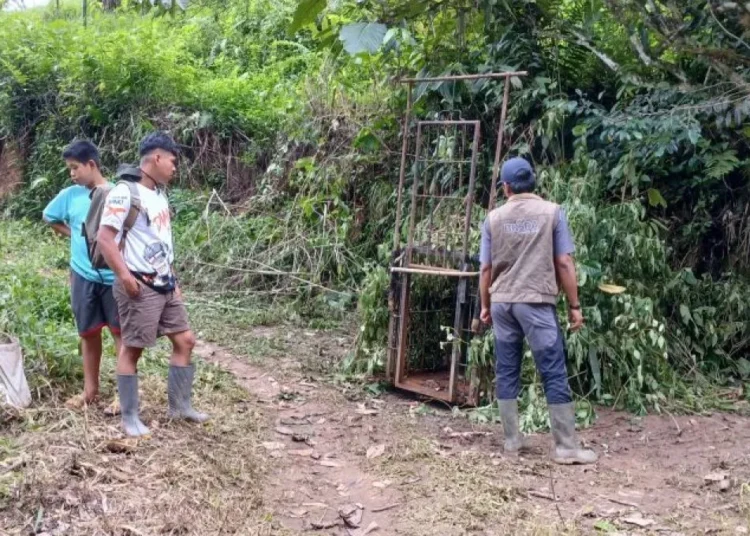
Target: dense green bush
pixel 123 75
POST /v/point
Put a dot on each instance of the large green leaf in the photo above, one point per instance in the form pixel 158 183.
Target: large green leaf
pixel 655 198
pixel 361 37
pixel 685 314
pixel 306 12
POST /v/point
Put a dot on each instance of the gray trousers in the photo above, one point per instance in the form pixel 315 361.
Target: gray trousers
pixel 512 322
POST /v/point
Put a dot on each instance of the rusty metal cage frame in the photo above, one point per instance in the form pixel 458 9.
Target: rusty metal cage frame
pixel 402 267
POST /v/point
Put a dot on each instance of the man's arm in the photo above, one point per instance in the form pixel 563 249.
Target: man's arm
pixel 485 275
pixel 55 214
pixel 565 269
pixel 177 289
pixel 566 273
pixel 485 280
pixel 60 228
pixel 111 252
pixel 113 219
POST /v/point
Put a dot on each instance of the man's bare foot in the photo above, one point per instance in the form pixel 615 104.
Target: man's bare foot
pixel 113 409
pixel 80 401
pixel 76 402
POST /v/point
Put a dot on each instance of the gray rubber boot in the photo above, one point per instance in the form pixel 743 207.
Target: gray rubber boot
pixel 180 393
pixel 567 450
pixel 514 440
pixel 127 387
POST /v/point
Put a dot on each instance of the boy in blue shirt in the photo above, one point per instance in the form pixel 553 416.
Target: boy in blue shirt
pixel 94 306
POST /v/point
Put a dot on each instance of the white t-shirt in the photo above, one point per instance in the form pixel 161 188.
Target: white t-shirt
pixel 148 251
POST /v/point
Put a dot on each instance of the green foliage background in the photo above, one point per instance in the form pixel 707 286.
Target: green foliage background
pixel 634 113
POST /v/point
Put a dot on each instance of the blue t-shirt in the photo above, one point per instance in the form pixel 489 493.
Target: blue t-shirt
pixel 71 206
pixel 561 238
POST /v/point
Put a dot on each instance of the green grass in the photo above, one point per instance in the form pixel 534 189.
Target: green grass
pixel 35 305
pixel 35 308
pixel 9 450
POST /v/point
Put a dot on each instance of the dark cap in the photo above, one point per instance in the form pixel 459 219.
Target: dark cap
pixel 517 171
pixel 128 172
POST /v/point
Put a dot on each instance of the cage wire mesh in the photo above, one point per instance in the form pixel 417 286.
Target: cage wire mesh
pixel 431 337
pixel 442 192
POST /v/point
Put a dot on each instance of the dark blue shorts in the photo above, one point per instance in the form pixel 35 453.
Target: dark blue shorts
pixel 94 306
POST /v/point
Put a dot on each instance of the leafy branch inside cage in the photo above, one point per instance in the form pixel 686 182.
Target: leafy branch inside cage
pixel 432 306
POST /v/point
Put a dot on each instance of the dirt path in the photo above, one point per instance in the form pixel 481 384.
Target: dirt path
pixel 397 466
pixel 318 479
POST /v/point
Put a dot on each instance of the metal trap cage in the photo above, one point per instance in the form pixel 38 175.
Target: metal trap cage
pixel 434 278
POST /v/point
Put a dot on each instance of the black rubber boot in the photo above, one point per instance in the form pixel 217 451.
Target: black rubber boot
pixel 127 387
pixel 180 393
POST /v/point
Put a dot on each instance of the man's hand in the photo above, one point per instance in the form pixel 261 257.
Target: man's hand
pixel 132 286
pixel 565 271
pixel 61 229
pixel 113 256
pixel 575 317
pixel 485 280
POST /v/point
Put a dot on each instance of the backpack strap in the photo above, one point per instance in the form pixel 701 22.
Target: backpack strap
pixel 135 209
pixel 90 227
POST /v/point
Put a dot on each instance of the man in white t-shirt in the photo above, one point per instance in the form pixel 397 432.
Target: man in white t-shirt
pixel 148 298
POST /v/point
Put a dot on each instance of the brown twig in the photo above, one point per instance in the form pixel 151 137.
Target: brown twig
pixel 271 271
pixel 542 495
pixel 618 501
pixel 384 508
pixel 554 495
pixel 322 526
pixel 679 430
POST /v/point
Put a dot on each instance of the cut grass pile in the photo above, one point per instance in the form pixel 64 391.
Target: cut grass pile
pixel 66 472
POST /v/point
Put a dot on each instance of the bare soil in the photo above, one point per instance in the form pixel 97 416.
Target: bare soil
pixel 435 474
pixel 10 167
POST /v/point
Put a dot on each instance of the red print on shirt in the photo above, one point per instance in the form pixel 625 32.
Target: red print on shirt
pixel 161 220
pixel 113 211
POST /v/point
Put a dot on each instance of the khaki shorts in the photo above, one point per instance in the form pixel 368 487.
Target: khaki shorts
pixel 149 316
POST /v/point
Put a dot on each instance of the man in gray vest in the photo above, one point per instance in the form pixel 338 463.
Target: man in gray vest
pixel 525 252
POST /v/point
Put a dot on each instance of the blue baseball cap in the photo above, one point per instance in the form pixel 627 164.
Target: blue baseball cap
pixel 516 170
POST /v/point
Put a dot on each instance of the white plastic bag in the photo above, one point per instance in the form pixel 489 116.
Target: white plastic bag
pixel 14 390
